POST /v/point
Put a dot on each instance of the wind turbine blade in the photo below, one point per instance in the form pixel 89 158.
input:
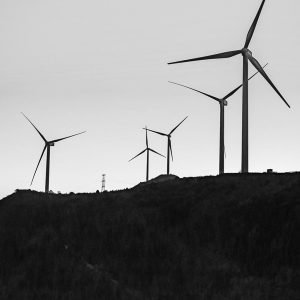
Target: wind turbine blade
pixel 256 64
pixel 156 152
pixel 156 132
pixel 137 155
pixel 177 126
pixel 252 28
pixel 147 137
pixel 210 96
pixel 232 92
pixel 171 149
pixel 236 89
pixel 35 128
pixel 54 141
pixel 38 164
pixel 214 56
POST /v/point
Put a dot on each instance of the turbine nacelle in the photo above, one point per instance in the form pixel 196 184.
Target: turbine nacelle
pixel 224 102
pixel 51 144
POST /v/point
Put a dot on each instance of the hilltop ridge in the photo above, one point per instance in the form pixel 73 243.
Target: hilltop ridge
pixel 234 236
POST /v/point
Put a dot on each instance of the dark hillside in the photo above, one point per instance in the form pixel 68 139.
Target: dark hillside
pixel 234 236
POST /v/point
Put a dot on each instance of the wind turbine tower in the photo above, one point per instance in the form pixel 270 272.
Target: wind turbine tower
pixel 169 144
pixel 147 150
pixel 223 102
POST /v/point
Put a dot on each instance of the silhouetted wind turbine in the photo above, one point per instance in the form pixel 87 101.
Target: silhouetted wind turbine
pixel 169 150
pixel 247 55
pixel 47 146
pixel 147 149
pixel 223 103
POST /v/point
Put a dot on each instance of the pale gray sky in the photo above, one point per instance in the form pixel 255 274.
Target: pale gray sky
pixel 101 66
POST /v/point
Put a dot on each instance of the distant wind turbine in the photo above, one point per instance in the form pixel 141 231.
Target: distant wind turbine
pixel 169 147
pixel 47 146
pixel 148 150
pixel 223 103
pixel 247 55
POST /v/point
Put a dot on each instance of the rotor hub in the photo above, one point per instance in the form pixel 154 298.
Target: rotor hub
pixel 247 52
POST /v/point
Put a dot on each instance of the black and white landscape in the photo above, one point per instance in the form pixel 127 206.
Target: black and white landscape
pixel 149 203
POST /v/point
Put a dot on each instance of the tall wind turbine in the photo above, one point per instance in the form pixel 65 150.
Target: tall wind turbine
pixel 169 149
pixel 148 150
pixel 223 103
pixel 47 146
pixel 247 55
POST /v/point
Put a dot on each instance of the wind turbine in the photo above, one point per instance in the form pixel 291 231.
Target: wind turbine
pixel 169 149
pixel 223 103
pixel 47 146
pixel 247 55
pixel 148 150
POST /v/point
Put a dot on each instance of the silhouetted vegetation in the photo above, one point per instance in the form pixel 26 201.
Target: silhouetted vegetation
pixel 234 236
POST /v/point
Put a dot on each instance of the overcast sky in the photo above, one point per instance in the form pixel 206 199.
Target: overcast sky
pixel 101 66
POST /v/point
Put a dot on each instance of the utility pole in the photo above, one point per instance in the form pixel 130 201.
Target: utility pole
pixel 103 183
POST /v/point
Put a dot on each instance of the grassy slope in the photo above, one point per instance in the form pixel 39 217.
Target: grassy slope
pixel 228 237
